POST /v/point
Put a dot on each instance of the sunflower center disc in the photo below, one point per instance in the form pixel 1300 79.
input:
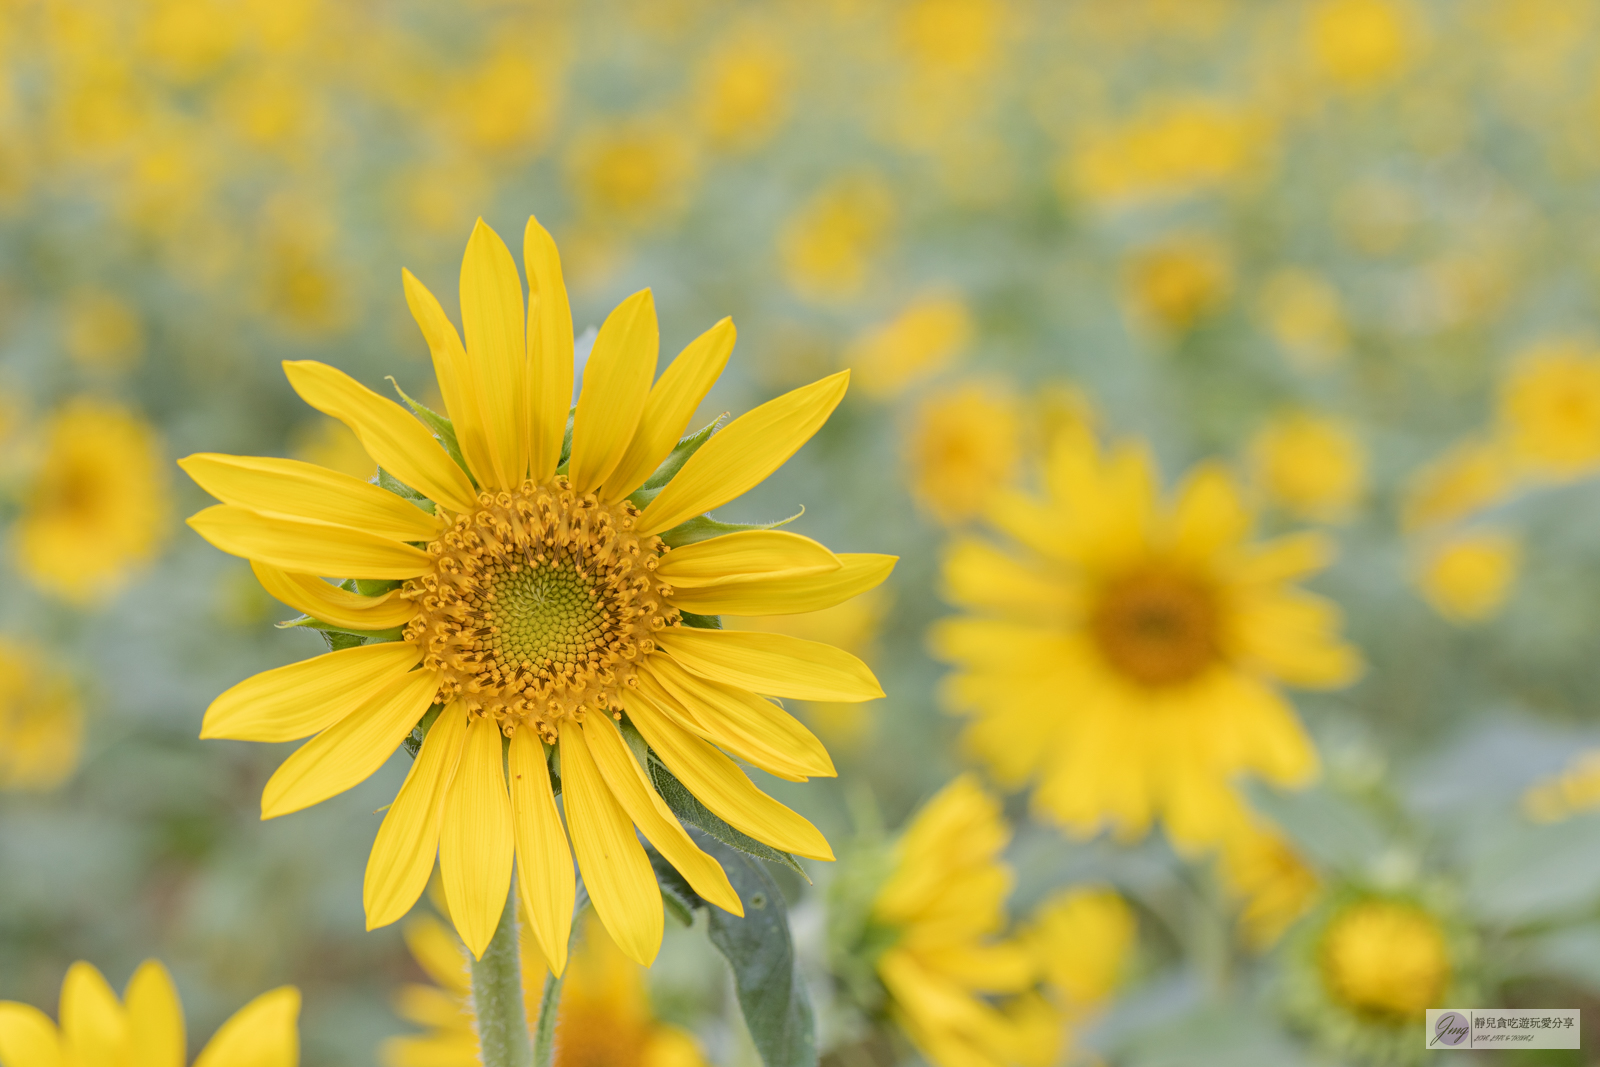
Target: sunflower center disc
pixel 1157 628
pixel 540 605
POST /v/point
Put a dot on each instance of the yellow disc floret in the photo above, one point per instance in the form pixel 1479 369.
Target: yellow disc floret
pixel 541 604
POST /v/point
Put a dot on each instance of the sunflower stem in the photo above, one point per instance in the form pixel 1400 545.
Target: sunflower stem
pixel 497 996
pixel 544 1034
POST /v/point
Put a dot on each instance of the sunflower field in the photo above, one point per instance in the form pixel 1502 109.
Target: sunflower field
pixel 859 533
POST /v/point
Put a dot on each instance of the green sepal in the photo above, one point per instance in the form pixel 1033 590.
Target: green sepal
pixel 419 732
pixel 371 586
pixel 339 640
pixel 669 468
pixel 704 528
pixel 566 441
pixel 369 636
pixel 442 428
pixel 404 491
pixel 700 622
pixel 687 807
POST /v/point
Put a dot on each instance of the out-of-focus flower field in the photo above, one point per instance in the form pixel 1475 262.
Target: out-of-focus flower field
pixel 1226 376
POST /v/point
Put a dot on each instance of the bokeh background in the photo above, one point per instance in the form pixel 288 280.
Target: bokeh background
pixel 1347 248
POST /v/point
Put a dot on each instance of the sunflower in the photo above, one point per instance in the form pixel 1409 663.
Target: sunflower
pixel 1126 657
pixel 539 598
pixel 604 1018
pixel 97 507
pixel 941 911
pixel 145 1028
pixel 41 720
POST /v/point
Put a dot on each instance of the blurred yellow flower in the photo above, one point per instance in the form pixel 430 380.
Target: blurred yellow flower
pixel 962 447
pixel 101 330
pixel 1176 282
pixel 929 335
pixel 1471 474
pixel 303 290
pixel 1128 660
pixel 1304 315
pixel 831 244
pixel 1563 795
pixel 185 40
pixel 953 37
pixel 635 173
pixel 604 1019
pixel 1470 576
pixel 743 89
pixel 507 102
pixel 97 507
pixel 272 107
pixel 1359 43
pixel 146 1028
pixel 1259 865
pixel 583 567
pixel 1081 939
pixel 1312 466
pixel 1550 408
pixel 41 720
pixel 945 904
pixel 436 196
pixel 1170 148
pixel 1385 958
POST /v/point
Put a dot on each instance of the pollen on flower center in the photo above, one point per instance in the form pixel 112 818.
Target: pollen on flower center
pixel 1156 627
pixel 540 605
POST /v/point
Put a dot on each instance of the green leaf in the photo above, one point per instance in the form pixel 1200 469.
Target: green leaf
pixel 704 527
pixel 370 636
pixel 401 489
pixel 759 948
pixel 442 428
pixel 687 807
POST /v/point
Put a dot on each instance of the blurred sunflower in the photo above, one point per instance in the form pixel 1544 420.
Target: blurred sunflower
pixel 1469 577
pixel 97 507
pixel 941 911
pixel 1550 409
pixel 1274 885
pixel 1128 660
pixel 962 447
pixel 530 595
pixel 1312 466
pixel 1081 939
pixel 604 1017
pixel 146 1028
pixel 41 720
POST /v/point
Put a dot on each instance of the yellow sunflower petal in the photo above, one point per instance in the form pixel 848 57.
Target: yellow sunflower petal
pixel 438 953
pixel 978 575
pixel 288 703
pixel 263 1033
pixel 306 546
pixel 1210 515
pixel 94 1027
pixel 458 377
pixel 403 853
pixel 28 1038
pixel 650 813
pixel 398 442
pixel 788 594
pixel 672 403
pixel 352 749
pixel 544 861
pixel 475 841
pixel 751 727
pixel 155 1019
pixel 750 448
pixel 741 556
pixel 774 664
pixel 492 317
pixel 1284 559
pixel 616 383
pixel 331 604
pixel 616 872
pixel 549 351
pixel 721 786
pixel 307 491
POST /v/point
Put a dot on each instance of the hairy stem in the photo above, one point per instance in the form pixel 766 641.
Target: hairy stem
pixel 497 996
pixel 544 1034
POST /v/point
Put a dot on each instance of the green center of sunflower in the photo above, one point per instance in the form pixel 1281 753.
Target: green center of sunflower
pixel 540 605
pixel 1156 627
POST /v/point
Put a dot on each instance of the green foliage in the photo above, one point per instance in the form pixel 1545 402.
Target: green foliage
pixel 443 429
pixel 704 527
